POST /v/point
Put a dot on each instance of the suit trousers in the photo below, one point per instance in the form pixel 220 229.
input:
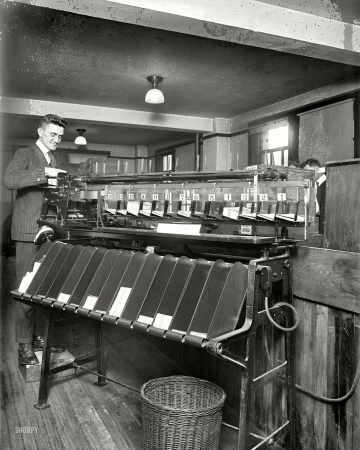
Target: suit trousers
pixel 29 320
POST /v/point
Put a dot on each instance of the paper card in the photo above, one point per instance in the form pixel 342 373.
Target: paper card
pixel 53 182
pixel 63 298
pixel 25 282
pixel 179 331
pixel 145 212
pixel 158 213
pixel 37 264
pixel 162 321
pixel 290 217
pixel 179 228
pixel 27 279
pixel 201 335
pixel 133 208
pixel 120 301
pixel 184 213
pixel 145 319
pixel 90 302
pixel 232 212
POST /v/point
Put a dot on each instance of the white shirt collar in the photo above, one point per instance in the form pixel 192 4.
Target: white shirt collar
pixel 43 149
pixel 321 180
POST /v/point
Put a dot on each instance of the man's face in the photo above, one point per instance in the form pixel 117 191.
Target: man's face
pixel 315 169
pixel 51 135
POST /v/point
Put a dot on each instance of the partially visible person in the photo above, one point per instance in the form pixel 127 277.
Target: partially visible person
pixel 293 162
pixel 320 190
pixel 310 164
pixel 28 173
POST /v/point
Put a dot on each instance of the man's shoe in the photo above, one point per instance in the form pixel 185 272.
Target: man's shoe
pixel 38 344
pixel 27 355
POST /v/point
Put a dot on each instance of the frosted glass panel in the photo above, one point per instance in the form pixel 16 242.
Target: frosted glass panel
pixel 327 133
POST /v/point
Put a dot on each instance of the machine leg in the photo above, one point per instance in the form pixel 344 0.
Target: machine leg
pixel 290 380
pixel 244 414
pixel 45 365
pixel 99 355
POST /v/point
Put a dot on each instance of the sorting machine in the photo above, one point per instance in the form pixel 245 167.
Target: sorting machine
pixel 266 205
pixel 203 259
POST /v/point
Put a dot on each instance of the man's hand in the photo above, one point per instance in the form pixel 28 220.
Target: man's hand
pixel 52 172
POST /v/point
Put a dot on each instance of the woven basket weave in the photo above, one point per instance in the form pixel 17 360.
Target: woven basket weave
pixel 181 413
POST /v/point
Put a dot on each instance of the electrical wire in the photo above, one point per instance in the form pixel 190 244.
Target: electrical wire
pixel 296 315
pixel 298 387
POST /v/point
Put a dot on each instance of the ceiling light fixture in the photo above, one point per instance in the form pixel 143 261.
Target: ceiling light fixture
pixel 80 140
pixel 154 96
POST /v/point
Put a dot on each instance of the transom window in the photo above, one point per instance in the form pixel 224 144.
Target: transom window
pixel 270 143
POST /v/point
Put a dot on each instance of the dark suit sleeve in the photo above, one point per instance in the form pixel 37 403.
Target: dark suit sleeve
pixel 18 174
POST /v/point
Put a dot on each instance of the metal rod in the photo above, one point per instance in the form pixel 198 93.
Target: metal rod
pixel 270 436
pixel 239 175
pixel 77 366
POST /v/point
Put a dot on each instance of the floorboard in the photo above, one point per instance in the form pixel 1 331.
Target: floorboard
pixel 81 415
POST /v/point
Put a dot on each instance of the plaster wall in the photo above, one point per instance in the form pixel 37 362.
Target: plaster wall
pixel 216 153
pixel 239 151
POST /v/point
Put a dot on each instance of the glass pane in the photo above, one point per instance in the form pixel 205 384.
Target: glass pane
pixel 263 141
pixel 169 162
pixel 278 137
pixel 286 157
pixel 165 163
pixel 277 158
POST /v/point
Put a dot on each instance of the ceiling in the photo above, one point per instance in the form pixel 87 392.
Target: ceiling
pixel 64 57
pixel 25 127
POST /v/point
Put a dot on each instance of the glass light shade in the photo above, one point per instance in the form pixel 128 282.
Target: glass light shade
pixel 154 96
pixel 80 140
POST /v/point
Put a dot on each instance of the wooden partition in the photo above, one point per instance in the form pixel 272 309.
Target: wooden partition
pixel 327 346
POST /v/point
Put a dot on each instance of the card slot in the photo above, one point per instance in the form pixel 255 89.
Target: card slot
pixel 231 301
pixel 100 278
pixel 209 299
pixel 175 288
pixel 54 270
pixel 158 287
pixel 127 284
pixel 75 274
pixel 191 295
pixel 64 271
pixel 40 268
pixel 87 276
pixel 141 287
pixel 113 281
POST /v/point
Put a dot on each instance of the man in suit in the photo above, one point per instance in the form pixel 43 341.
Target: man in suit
pixel 28 173
pixel 320 190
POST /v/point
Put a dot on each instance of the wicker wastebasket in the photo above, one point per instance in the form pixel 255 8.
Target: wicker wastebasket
pixel 181 413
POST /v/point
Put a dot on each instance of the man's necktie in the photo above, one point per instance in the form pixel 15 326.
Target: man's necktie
pixel 52 159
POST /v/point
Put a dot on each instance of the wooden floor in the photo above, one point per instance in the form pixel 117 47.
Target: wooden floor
pixel 81 416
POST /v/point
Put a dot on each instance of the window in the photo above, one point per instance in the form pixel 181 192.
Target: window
pixel 164 160
pixel 167 163
pixel 269 143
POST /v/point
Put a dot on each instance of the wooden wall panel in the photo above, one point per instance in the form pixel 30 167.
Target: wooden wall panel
pixel 356 430
pixel 327 347
pixel 342 226
pixel 330 277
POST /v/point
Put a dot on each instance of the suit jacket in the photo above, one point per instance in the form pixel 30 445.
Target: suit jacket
pixel 321 198
pixel 26 174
